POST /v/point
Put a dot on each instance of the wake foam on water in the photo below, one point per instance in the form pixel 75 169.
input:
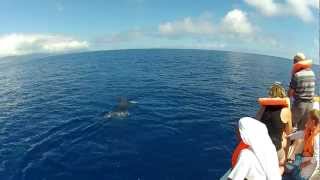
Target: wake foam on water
pixel 133 102
pixel 120 115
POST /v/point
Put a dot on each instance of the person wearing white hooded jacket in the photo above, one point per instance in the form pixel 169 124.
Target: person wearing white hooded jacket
pixel 259 161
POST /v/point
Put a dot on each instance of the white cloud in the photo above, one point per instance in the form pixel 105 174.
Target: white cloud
pixel 121 37
pixel 267 7
pixel 187 26
pixel 19 44
pixel 236 21
pixel 234 31
pixel 302 9
pixel 314 3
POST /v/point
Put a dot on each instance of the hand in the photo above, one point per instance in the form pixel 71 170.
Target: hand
pixel 287 136
pixel 304 164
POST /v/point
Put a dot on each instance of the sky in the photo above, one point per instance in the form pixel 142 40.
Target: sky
pixel 272 27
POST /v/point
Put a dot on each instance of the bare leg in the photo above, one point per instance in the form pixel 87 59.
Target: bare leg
pixel 315 175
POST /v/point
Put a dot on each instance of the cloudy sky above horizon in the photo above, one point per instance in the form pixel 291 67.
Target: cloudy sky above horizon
pixel 272 27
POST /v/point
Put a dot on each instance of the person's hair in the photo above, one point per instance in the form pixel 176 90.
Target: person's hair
pixel 298 57
pixel 277 90
pixel 315 115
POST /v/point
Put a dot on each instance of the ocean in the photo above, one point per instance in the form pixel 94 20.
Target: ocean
pixel 53 124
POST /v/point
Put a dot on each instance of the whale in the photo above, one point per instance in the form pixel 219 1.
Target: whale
pixel 121 110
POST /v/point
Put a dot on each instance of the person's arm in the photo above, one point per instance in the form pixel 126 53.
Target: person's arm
pixel 291 92
pixel 316 150
pixel 315 159
pixel 286 118
pixel 293 85
pixel 260 113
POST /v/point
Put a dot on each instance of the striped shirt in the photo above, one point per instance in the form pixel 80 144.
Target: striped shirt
pixel 303 83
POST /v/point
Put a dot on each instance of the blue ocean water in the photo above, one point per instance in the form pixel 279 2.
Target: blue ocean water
pixel 189 101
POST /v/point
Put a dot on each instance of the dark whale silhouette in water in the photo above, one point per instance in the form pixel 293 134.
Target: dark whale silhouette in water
pixel 121 111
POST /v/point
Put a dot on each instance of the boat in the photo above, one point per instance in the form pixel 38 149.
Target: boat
pixel 316 105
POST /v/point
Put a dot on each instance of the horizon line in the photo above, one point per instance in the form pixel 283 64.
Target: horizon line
pixel 128 49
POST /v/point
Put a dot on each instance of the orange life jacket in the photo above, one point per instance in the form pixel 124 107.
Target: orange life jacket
pixel 237 152
pixel 301 65
pixel 309 135
pixel 274 102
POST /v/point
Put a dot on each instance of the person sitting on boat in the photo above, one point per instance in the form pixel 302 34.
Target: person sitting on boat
pixel 275 113
pixel 302 90
pixel 309 147
pixel 255 157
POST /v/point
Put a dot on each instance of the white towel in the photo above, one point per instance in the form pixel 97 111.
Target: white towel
pixel 255 134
